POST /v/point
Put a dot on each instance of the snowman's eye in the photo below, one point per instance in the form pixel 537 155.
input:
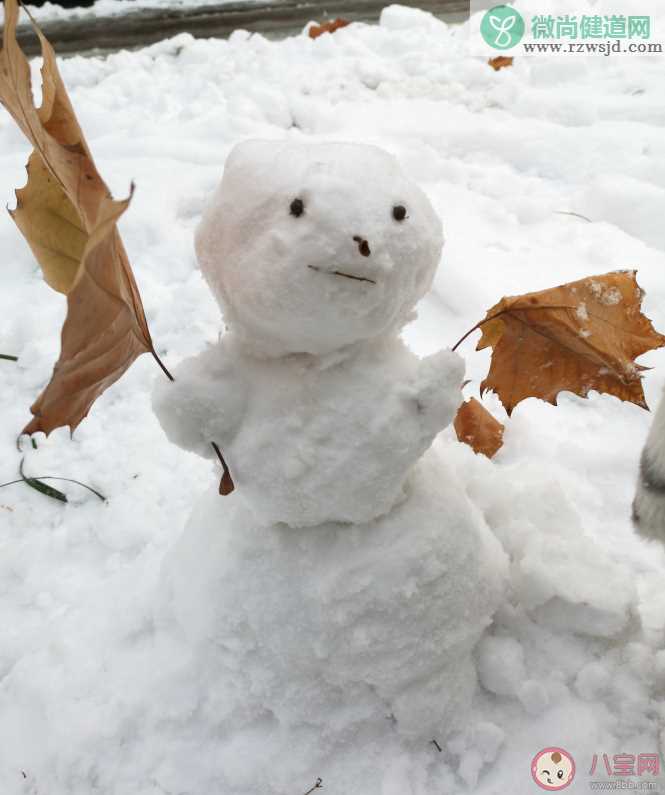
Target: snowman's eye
pixel 297 208
pixel 399 212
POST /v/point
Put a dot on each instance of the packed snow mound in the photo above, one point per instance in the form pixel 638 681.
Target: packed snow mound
pixel 313 439
pixel 342 627
pixel 310 247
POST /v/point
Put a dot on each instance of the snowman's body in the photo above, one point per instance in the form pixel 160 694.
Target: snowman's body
pixel 314 439
pixel 318 255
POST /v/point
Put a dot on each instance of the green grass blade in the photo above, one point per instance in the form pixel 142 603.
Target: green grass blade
pixel 45 489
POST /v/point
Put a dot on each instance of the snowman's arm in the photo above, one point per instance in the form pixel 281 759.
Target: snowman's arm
pixel 204 404
pixel 437 389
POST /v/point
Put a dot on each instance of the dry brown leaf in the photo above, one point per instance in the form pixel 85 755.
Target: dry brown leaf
pixel 327 27
pixel 226 484
pixel 475 426
pixel 500 62
pixel 577 337
pixel 68 218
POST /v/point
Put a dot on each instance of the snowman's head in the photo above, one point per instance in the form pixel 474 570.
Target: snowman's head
pixel 312 247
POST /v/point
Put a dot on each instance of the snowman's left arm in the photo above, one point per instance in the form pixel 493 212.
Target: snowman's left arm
pixel 437 389
pixel 205 404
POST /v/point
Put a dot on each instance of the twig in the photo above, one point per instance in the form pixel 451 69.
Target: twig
pixel 575 215
pixel 437 746
pixel 8 357
pixel 317 785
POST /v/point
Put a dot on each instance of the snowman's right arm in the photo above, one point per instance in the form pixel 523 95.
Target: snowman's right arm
pixel 205 403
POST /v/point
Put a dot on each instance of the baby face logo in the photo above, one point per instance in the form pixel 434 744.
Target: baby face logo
pixel 502 27
pixel 553 769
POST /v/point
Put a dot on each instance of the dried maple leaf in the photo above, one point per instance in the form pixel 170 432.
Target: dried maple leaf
pixel 500 62
pixel 68 218
pixel 577 337
pixel 327 27
pixel 475 426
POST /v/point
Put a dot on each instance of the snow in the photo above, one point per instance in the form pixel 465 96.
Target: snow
pixel 649 499
pixel 103 686
pixel 501 665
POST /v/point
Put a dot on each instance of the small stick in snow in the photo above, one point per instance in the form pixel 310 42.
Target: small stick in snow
pixel 318 785
pixel 574 215
pixel 437 746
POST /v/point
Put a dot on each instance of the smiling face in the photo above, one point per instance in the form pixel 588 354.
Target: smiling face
pixel 311 247
pixel 553 769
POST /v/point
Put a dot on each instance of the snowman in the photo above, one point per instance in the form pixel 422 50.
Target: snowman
pixel 348 578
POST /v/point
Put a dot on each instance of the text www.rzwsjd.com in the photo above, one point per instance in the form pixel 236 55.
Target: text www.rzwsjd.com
pixel 593 47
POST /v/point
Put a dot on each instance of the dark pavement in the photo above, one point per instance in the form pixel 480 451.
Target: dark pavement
pixel 273 19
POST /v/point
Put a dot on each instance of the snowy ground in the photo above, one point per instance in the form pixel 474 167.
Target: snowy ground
pixel 96 693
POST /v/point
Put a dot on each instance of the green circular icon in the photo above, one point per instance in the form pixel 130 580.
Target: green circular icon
pixel 502 27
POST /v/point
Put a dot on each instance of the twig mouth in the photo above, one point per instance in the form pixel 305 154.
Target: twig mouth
pixel 341 273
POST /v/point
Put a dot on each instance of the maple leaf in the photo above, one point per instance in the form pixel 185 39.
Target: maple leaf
pixel 68 217
pixel 475 426
pixel 327 27
pixel 578 337
pixel 500 62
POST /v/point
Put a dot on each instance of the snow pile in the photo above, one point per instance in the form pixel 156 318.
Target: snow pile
pixel 337 628
pixel 100 689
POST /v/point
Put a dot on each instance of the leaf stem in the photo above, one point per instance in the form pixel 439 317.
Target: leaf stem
pixel 161 364
pixel 470 331
pixel 8 357
pixel 506 311
pixel 478 325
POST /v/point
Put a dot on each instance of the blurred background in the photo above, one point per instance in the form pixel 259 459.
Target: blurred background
pixel 94 26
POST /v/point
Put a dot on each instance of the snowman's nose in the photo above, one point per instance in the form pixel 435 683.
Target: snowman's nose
pixel 363 245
